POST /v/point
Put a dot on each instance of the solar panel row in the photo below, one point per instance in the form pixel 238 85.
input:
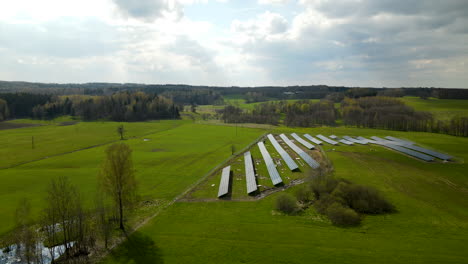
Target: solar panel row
pixel 333 136
pixel 302 141
pixel 274 175
pixel 362 142
pixel 329 141
pixel 400 140
pixel 309 160
pixel 249 173
pixel 346 142
pixel 406 151
pixel 224 184
pixel 289 161
pixel 314 140
pixel 416 148
pixel 367 140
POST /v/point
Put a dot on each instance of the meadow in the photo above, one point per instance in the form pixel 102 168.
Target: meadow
pixel 443 109
pixel 431 225
pixel 175 155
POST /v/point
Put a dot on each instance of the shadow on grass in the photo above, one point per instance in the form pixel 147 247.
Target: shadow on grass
pixel 139 249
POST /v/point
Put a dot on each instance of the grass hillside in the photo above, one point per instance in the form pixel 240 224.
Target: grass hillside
pixel 175 157
pixel 431 225
pixel 442 109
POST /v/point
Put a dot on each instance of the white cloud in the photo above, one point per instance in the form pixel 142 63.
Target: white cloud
pixel 273 2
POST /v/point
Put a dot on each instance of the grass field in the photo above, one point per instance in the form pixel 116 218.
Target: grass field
pixel 442 109
pixel 431 225
pixel 177 154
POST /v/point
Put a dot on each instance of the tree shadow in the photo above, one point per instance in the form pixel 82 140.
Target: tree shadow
pixel 140 249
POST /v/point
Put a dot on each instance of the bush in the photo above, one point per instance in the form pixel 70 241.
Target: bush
pixel 286 203
pixel 365 199
pixel 343 216
pixel 304 195
pixel 323 185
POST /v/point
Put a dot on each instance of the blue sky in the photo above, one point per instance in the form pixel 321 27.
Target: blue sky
pixel 245 43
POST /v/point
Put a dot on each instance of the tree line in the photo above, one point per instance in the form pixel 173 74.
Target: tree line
pixel 302 113
pixel 122 106
pixel 66 225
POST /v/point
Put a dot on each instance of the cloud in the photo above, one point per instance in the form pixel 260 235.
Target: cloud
pixel 149 10
pixel 273 2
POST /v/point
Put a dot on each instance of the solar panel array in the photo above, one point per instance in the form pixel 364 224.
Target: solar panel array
pixel 289 161
pixel 311 138
pixel 406 151
pixel 224 184
pixel 329 141
pixel 250 173
pixel 344 141
pixel 333 137
pixel 399 140
pixel 362 142
pixel 308 159
pixel 274 175
pixel 302 141
pixel 416 148
pixel 366 140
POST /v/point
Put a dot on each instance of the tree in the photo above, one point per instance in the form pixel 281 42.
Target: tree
pixel 26 236
pixel 102 220
pixel 62 214
pixel 121 131
pixel 117 178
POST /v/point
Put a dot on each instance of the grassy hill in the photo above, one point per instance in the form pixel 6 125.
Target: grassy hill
pixel 431 225
pixel 442 109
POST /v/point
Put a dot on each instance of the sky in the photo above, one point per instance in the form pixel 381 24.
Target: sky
pixel 378 43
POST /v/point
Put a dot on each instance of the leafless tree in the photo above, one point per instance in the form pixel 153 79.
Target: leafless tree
pixel 117 178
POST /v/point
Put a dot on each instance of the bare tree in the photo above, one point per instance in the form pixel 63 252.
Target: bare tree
pixel 26 236
pixel 121 131
pixel 102 215
pixel 117 178
pixel 62 201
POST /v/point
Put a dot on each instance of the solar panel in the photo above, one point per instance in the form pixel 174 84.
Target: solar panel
pixel 420 149
pixel 302 141
pixel 355 140
pixel 329 141
pixel 333 137
pixel 224 184
pixel 274 175
pixel 406 151
pixel 249 173
pixel 308 159
pixel 399 140
pixel 367 140
pixel 314 140
pixel 346 142
pixel 289 161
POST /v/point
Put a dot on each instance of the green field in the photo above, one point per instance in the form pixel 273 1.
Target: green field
pixel 431 225
pixel 443 109
pixel 177 154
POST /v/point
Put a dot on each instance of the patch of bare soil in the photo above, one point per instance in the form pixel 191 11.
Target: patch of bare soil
pixel 8 125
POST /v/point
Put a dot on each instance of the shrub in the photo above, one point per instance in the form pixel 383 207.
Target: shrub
pixel 342 216
pixel 323 185
pixel 365 199
pixel 304 195
pixel 286 203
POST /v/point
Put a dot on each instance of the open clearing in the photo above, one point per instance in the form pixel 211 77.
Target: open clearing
pixel 431 225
